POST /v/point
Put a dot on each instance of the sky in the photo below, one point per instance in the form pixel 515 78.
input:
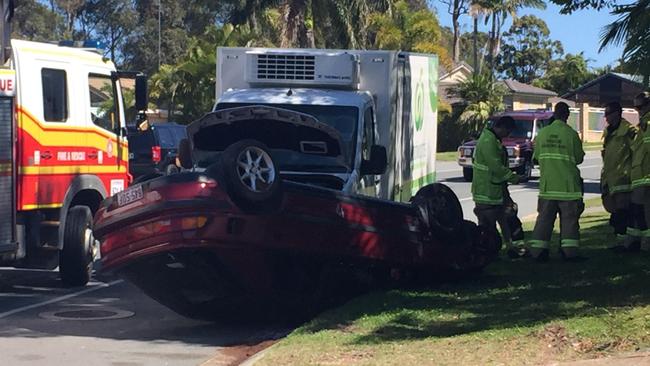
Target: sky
pixel 578 32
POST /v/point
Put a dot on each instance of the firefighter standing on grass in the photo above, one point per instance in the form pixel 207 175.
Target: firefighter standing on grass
pixel 640 170
pixel 489 185
pixel 559 151
pixel 615 181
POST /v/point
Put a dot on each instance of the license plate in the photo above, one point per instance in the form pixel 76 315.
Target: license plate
pixel 130 195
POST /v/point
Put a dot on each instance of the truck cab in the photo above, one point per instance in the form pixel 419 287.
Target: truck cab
pixel 349 113
pixel 519 145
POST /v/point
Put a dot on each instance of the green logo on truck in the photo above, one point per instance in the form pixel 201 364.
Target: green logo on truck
pixel 419 104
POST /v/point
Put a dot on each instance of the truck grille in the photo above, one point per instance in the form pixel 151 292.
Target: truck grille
pixel 285 67
pixel 6 172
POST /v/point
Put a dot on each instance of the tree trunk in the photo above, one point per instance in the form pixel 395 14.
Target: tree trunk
pixel 454 19
pixel 475 44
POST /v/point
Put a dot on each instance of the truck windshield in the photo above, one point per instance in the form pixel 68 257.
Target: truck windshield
pixel 343 118
pixel 523 128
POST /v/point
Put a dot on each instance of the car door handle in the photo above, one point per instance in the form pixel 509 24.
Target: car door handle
pixel 92 155
pixel 46 155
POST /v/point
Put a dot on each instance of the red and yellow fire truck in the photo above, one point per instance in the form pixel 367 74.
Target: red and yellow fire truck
pixel 63 149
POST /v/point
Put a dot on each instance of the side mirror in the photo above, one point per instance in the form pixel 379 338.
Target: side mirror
pixel 185 154
pixel 378 161
pixel 141 95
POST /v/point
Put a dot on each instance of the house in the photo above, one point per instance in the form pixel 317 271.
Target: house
pixel 450 79
pixel 523 96
pixel 610 87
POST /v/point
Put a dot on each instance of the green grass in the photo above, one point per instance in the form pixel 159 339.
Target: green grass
pixel 447 156
pixel 515 313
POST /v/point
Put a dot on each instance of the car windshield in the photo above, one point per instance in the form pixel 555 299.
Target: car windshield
pixel 523 128
pixel 343 118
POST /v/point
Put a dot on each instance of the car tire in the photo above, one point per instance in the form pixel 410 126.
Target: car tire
pixel 440 210
pixel 251 178
pixel 76 257
pixel 468 174
pixel 171 169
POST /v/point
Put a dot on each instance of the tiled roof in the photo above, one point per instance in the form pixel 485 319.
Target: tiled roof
pixel 522 88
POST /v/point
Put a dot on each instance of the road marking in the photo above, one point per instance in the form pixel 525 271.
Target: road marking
pixel 58 299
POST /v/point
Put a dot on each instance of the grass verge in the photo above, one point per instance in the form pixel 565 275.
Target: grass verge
pixel 515 313
pixel 591 146
pixel 447 156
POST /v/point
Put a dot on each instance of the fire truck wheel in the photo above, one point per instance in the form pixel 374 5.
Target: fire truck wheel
pixel 440 209
pixel 250 176
pixel 76 257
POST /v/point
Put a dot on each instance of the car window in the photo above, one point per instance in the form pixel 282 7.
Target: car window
pixel 166 137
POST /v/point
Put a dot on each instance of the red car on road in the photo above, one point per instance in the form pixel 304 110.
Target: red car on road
pixel 232 237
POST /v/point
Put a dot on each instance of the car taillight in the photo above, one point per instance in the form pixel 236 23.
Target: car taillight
pixel 155 154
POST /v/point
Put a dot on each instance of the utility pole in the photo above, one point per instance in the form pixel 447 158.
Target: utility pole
pixel 159 27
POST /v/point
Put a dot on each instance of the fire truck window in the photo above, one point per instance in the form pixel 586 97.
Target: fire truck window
pixel 55 95
pixel 102 102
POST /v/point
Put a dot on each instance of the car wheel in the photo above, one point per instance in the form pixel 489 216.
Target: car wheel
pixel 485 243
pixel 468 174
pixel 171 169
pixel 251 177
pixel 440 210
pixel 526 170
pixel 76 257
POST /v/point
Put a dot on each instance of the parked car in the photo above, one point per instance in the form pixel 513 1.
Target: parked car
pixel 155 149
pixel 519 144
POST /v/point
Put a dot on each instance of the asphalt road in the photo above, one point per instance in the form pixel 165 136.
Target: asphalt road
pixel 42 323
pixel 525 194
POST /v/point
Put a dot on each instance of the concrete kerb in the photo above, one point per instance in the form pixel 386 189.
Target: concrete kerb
pixel 252 360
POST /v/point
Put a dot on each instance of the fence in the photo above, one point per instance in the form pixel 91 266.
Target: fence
pixel 590 121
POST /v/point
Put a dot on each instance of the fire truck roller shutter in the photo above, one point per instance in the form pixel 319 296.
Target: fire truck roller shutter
pixel 87 190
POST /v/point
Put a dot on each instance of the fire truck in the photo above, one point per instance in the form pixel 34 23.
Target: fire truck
pixel 63 149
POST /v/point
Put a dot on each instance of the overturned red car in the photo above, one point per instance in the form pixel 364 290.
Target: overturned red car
pixel 236 234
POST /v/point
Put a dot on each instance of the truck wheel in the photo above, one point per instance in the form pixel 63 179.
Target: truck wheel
pixel 468 174
pixel 440 209
pixel 76 257
pixel 526 170
pixel 251 177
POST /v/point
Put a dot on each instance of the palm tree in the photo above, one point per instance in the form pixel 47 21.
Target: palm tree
pixel 476 11
pixel 497 13
pixel 483 97
pixel 632 29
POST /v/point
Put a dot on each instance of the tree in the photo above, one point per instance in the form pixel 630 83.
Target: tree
pixel 70 9
pixel 569 6
pixel 632 29
pixel 409 30
pixel 112 21
pixel 35 22
pixel 189 84
pixel 566 74
pixel 456 8
pixel 527 49
pixel 483 97
pixel 497 12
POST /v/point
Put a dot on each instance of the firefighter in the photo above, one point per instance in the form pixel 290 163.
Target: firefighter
pixel 559 151
pixel 489 185
pixel 640 171
pixel 615 181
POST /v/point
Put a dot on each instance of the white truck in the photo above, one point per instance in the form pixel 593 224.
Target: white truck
pixel 383 104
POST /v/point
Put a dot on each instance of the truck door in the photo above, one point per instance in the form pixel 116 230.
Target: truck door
pixel 7 166
pixel 369 182
pixel 105 114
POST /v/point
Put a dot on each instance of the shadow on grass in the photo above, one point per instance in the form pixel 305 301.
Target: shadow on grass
pixel 510 294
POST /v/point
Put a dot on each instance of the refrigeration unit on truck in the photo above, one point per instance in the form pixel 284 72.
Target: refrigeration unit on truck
pixel 63 150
